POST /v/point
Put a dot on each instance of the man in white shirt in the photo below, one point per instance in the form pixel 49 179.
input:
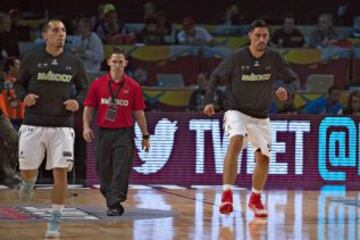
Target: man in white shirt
pixel 88 46
pixel 193 35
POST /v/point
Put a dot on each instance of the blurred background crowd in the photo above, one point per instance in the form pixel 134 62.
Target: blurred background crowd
pixel 173 47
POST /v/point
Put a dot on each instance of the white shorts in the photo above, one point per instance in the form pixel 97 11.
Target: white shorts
pixel 56 142
pixel 255 130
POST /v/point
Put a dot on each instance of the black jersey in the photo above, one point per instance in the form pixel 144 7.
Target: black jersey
pixel 250 82
pixel 55 80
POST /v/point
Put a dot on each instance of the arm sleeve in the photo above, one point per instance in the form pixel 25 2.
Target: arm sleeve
pixel 23 78
pixel 91 99
pixel 221 100
pixel 95 53
pixel 81 83
pixel 222 73
pixel 286 74
pixel 138 100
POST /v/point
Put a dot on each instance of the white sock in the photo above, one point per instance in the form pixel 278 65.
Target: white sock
pixel 32 181
pixel 256 191
pixel 58 207
pixel 28 184
pixel 227 187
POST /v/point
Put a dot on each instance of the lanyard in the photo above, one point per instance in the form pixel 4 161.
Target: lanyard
pixel 113 96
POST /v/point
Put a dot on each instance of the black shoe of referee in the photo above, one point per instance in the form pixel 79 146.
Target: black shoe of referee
pixel 115 211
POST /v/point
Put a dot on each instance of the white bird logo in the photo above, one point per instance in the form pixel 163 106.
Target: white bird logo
pixel 162 143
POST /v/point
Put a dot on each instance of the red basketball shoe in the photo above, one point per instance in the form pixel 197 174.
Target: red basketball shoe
pixel 256 205
pixel 226 206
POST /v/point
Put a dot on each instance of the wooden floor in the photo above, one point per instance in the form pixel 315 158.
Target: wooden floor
pixel 161 213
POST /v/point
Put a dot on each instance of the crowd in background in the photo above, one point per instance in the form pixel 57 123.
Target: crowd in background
pixel 89 34
pixel 107 26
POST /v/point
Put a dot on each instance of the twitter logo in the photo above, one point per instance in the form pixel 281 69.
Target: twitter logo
pixel 162 143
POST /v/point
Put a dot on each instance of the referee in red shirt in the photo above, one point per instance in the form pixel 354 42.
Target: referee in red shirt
pixel 117 97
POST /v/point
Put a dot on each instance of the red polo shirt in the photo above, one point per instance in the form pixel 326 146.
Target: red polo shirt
pixel 129 99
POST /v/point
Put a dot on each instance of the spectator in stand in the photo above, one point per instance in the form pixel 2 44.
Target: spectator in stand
pixel 8 39
pixel 113 30
pixel 150 34
pixel 324 35
pixel 149 10
pixel 288 36
pixel 162 24
pixel 346 11
pixel 192 35
pixel 353 105
pixel 18 26
pixel 325 105
pixel 233 16
pixel 13 106
pixel 8 146
pixel 100 18
pixel 88 46
pixel 197 99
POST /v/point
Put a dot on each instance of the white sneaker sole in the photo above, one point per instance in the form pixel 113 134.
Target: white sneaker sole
pixel 52 234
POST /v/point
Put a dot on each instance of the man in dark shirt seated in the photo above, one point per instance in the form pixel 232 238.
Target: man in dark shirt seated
pixel 8 38
pixel 150 34
pixel 288 36
pixel 197 99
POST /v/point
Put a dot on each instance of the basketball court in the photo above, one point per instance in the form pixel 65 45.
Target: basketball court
pixel 175 212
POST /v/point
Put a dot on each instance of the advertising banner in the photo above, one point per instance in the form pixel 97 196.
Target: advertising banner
pixel 189 149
